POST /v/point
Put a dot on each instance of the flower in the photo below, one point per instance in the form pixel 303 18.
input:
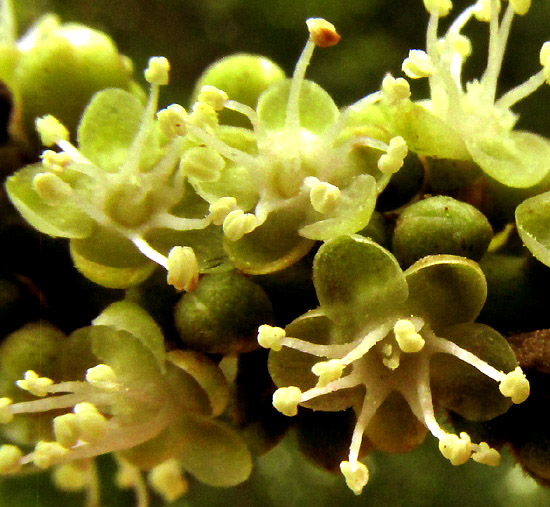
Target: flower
pixel 121 196
pixel 393 345
pixel 467 121
pixel 154 409
pixel 305 172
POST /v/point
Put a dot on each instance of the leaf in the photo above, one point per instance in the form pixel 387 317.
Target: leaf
pixel 356 278
pixel 65 220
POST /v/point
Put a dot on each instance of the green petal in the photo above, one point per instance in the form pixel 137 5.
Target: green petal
pixel 127 316
pixel 110 260
pixel 519 159
pixel 446 289
pixel 533 223
pixel 355 277
pixel 290 367
pixel 317 109
pixel 206 372
pixel 352 215
pixel 108 127
pixel 424 133
pixel 212 452
pixel 64 220
pixel 273 246
pixel 132 361
pixel 462 388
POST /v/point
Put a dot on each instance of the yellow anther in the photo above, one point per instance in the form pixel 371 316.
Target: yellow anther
pixel 183 268
pixel 100 373
pixel 54 161
pixel 167 480
pixel 238 223
pixel 286 399
pixel 47 454
pixel 324 197
pixel 202 163
pixel 395 90
pixel 10 459
pixel 486 455
pixel 51 188
pixel 5 415
pixel 92 424
pixel 438 8
pixel 271 337
pixel 328 371
pixel 356 475
pixel 322 33
pixel 520 6
pixel 157 70
pixel 456 449
pixel 66 430
pixel 407 338
pixel 51 130
pixel 213 96
pixel 545 60
pixel 70 477
pixel 482 10
pixel 462 46
pixel 34 384
pixel 515 386
pixel 172 120
pixel 221 208
pixel 418 64
pixel 203 116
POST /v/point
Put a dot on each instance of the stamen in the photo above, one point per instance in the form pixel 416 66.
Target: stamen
pixel 407 338
pixel 202 163
pixel 271 337
pixel 213 96
pixel 47 454
pixel 183 268
pixel 515 386
pixel 456 449
pixel 395 90
pixel 157 71
pixel 356 475
pixel 418 64
pixel 286 399
pixel 34 384
pixel 238 223
pixel 172 120
pixel 6 415
pixel 10 459
pixel 328 371
pixel 485 454
pixel 167 480
pixel 324 197
pixel 51 188
pixel 221 208
pixel 51 130
pixel 66 430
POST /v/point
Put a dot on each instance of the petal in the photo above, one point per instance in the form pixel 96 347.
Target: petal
pixel 317 109
pixel 127 316
pixel 356 278
pixel 108 127
pixel 519 159
pixel 462 388
pixel 533 223
pixel 64 220
pixel 446 290
pixel 353 213
pixel 110 260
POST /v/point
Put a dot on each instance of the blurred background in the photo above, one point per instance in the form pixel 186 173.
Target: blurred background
pixel 376 37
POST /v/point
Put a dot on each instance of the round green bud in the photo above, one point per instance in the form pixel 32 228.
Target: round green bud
pixel 61 71
pixel 243 77
pixel 440 225
pixel 447 176
pixel 222 314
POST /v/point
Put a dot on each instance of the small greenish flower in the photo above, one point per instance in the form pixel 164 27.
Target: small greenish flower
pixel 305 172
pixel 467 122
pixel 154 409
pixel 393 345
pixel 122 196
